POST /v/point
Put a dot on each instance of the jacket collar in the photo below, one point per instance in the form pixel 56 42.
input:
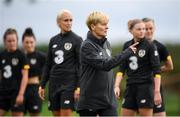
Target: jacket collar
pixel 96 40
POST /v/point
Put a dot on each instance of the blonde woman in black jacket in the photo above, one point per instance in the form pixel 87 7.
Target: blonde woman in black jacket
pixel 97 84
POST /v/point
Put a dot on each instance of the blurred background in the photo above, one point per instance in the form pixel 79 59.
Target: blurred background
pixel 41 16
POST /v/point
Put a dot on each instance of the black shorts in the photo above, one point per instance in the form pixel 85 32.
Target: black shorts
pixel 138 96
pixel 8 101
pixel 61 100
pixel 161 107
pixel 112 111
pixel 33 103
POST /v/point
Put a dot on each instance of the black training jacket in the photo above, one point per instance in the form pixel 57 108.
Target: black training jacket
pixel 97 82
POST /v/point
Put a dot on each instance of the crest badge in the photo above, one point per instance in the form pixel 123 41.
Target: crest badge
pixel 67 46
pixel 141 53
pixel 15 61
pixel 33 61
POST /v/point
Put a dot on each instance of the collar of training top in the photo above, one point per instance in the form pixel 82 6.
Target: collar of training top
pixel 96 40
pixel 140 41
pixel 65 34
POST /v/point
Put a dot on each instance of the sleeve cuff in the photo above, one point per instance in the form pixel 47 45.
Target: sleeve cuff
pixel 157 76
pixel 119 74
pixel 26 67
pixel 169 58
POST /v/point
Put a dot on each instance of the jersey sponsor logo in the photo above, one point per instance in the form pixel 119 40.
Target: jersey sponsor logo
pixel 54 46
pixel 133 63
pixel 3 61
pixel 67 46
pixel 7 72
pixel 15 61
pixel 141 53
pixel 67 102
pixel 59 57
pixel 108 52
pixel 156 53
pixel 33 61
pixel 143 101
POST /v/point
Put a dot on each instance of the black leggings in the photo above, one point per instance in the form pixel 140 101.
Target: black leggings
pixel 100 112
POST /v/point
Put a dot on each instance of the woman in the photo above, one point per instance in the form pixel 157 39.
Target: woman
pixel 142 91
pixel 165 57
pixel 36 60
pixel 14 75
pixel 97 96
pixel 62 68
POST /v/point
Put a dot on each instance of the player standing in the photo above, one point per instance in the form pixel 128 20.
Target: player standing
pixel 36 60
pixel 62 68
pixel 165 57
pixel 142 68
pixel 14 76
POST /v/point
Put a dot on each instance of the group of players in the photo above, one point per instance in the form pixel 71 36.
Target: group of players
pixel 81 71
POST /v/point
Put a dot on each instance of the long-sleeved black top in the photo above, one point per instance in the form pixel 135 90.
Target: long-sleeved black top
pixel 62 65
pixel 11 66
pixel 142 66
pixel 36 60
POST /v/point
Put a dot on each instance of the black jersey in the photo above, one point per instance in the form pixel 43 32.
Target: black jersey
pixel 62 65
pixel 141 67
pixel 162 50
pixel 11 66
pixel 36 61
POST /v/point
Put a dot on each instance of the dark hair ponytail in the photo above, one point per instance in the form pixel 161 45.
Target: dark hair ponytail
pixel 29 33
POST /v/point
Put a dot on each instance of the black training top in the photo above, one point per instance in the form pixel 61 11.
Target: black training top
pixel 141 67
pixel 36 61
pixel 162 50
pixel 11 66
pixel 62 65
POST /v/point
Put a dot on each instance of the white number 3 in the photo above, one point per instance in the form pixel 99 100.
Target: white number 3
pixel 59 57
pixel 133 64
pixel 7 72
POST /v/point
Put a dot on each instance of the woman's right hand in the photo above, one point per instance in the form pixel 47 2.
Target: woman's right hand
pixel 41 93
pixel 133 47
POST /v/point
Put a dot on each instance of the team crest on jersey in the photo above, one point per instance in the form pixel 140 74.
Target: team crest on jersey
pixel 68 46
pixel 141 53
pixel 15 61
pixel 33 61
pixel 108 52
pixel 3 61
pixel 54 46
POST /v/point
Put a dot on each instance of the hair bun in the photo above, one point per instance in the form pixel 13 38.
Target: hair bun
pixel 29 31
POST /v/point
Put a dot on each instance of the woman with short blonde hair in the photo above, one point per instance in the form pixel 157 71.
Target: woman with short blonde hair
pixel 97 95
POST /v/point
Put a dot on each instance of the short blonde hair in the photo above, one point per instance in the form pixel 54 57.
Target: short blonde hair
pixel 96 17
pixel 61 13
